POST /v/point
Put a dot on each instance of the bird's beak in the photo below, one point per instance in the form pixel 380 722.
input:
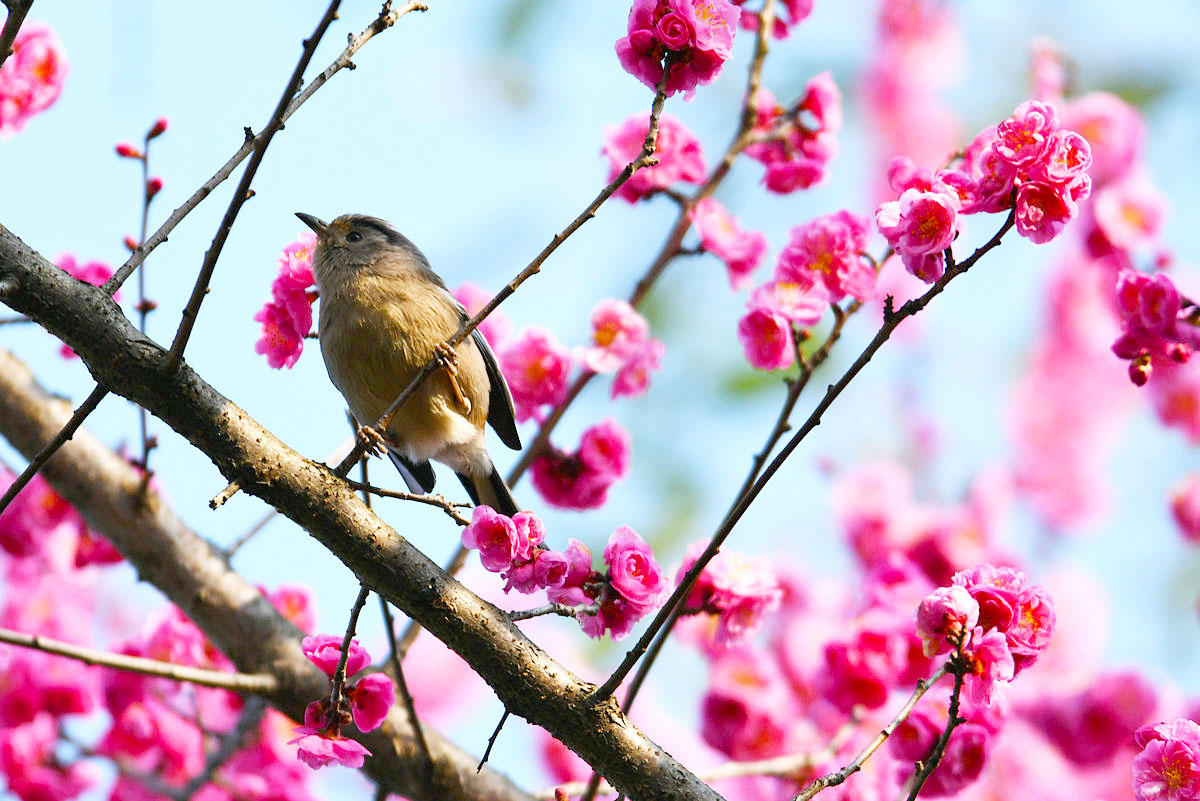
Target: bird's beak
pixel 313 223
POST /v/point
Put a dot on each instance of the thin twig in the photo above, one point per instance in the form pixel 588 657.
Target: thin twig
pixel 385 20
pixel 255 683
pixel 487 752
pixel 839 776
pixel 926 766
pixel 240 195
pixel 563 610
pixel 41 457
pixel 257 527
pixel 17 9
pixel 339 676
pixel 891 319
pixel 15 320
pixel 446 505
pixel 405 696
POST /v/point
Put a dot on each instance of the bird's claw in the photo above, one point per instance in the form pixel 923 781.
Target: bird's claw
pixel 448 359
pixel 372 441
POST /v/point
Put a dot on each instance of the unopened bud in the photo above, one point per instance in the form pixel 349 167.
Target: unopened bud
pixel 157 129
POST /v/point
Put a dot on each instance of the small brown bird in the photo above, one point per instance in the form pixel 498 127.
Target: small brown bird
pixel 384 314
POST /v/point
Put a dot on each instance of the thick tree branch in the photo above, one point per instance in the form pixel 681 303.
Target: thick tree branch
pixel 196 577
pixel 527 681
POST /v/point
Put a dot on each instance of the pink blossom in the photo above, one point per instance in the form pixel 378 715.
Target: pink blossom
pixel 617 332
pixel 1067 157
pixel 748 710
pixel 325 651
pixel 536 368
pixel 1048 71
pixel 1130 212
pixel 1113 128
pixel 31 78
pixel 605 448
pixel 287 317
pixel 722 236
pixel 676 148
pixel 1168 766
pixel 1175 393
pixel 947 614
pixel 1147 302
pixel 1025 136
pixel 1043 210
pixel 617 617
pixel 829 248
pixel 766 339
pixel 962 763
pixel 740 590
pixel 787 14
pixel 989 663
pixel 920 222
pixel 318 749
pixel 997 591
pixel 578 573
pixel 795 298
pixel 694 36
pixel 26 524
pixel 279 342
pixel 371 698
pixel 633 379
pixel 564 481
pixel 494 536
pixel 296 603
pixel 633 570
pixel 496 327
pixel 1185 506
pixel 153 738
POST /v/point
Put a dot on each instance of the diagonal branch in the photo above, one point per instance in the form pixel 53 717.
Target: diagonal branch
pixel 17 9
pixel 526 679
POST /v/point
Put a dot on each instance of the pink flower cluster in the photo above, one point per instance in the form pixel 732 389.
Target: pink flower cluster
pixel 690 39
pixel 31 78
pixel 797 144
pixel 821 264
pixel 1168 766
pixel 722 236
pixel 735 589
pixel 1028 159
pixel 580 480
pixel 633 586
pixel 677 150
pixel 995 620
pixel 93 272
pixel 42 527
pixel 287 317
pixel 321 742
pixel 621 343
pixel 1157 328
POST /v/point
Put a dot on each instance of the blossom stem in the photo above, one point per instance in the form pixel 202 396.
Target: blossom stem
pixel 839 776
pixel 339 677
pixel 248 683
pixel 402 684
pixel 926 766
pixel 563 610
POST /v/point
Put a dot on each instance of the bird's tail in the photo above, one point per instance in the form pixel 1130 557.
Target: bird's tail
pixel 489 489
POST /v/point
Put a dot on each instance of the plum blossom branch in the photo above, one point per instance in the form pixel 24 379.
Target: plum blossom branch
pixel 891 319
pixel 240 195
pixel 339 677
pixel 387 17
pixel 402 684
pixel 87 407
pixel 250 683
pixel 839 776
pixel 17 9
pixel 230 743
pixel 449 507
pixel 926 766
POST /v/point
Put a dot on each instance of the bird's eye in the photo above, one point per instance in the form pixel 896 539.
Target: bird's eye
pixel 354 236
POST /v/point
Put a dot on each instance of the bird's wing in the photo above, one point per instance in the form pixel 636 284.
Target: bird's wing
pixel 501 414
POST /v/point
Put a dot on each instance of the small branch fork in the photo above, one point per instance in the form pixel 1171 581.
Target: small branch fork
pixel 249 683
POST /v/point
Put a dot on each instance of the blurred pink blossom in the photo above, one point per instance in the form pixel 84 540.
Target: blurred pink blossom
pixel 31 78
pixel 680 158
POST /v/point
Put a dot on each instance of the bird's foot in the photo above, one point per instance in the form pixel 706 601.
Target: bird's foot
pixel 448 359
pixel 372 440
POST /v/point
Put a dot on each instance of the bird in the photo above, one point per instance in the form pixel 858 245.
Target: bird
pixel 384 315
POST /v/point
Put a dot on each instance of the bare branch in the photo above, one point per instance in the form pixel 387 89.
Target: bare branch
pixel 260 683
pixel 17 10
